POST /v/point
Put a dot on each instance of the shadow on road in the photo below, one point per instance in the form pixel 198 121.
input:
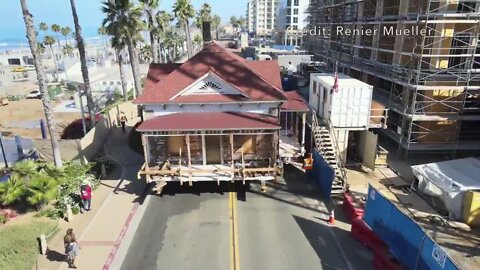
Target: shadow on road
pixel 324 243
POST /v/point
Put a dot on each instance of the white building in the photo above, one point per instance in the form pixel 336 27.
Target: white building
pixel 293 17
pixel 262 16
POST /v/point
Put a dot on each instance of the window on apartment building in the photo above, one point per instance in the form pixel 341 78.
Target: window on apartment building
pixel 295 19
pixel 295 2
pixel 295 11
pixel 467 7
pixel 460 45
pixel 289 3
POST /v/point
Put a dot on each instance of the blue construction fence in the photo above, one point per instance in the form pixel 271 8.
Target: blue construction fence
pixel 322 174
pixel 404 237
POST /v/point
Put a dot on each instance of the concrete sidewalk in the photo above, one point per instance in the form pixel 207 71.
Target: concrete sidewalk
pixel 101 230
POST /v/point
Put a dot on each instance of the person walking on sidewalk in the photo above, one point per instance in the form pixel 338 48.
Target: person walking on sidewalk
pixel 73 248
pixel 86 193
pixel 67 239
pixel 123 120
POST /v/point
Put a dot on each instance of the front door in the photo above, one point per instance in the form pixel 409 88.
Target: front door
pixel 212 147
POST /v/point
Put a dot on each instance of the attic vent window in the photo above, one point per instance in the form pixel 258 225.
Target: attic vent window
pixel 211 85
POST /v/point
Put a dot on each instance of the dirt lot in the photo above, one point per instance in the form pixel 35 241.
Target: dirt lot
pixel 22 118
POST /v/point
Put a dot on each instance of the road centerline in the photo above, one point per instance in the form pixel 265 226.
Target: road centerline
pixel 234 252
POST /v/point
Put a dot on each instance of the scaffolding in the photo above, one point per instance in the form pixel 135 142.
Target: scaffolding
pixel 429 79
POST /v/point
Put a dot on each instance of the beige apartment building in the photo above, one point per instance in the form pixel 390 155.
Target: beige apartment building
pixel 262 16
pixel 421 56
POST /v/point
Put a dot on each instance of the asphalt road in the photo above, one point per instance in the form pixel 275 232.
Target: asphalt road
pixel 212 227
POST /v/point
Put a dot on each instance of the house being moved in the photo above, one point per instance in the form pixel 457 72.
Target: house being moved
pixel 212 118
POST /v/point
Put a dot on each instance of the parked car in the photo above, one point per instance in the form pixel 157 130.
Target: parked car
pixel 34 94
pixel 19 69
pixel 3 101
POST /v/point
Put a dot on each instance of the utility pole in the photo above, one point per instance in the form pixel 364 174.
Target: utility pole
pixel 3 151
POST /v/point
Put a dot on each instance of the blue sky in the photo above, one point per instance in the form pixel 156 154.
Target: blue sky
pixel 58 11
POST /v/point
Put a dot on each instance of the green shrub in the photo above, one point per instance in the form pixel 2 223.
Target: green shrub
pixel 49 212
pixel 12 190
pixel 25 168
pixel 3 219
pixel 41 190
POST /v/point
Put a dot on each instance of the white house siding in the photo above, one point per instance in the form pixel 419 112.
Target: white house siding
pixel 260 108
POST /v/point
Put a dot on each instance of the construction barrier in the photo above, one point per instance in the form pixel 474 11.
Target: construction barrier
pixel 405 238
pixel 352 209
pixel 322 174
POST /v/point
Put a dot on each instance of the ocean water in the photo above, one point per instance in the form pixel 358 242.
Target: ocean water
pixel 16 44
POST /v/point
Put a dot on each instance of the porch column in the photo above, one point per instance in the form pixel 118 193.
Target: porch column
pixel 146 152
pixel 187 139
pixel 204 151
pixel 232 149
pixel 304 122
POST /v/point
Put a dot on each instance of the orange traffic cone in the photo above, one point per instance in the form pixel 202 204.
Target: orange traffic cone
pixel 331 218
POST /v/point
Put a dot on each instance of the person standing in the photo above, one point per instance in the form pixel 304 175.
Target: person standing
pixel 86 193
pixel 290 69
pixel 123 120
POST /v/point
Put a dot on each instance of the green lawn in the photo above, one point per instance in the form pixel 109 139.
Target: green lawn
pixel 19 245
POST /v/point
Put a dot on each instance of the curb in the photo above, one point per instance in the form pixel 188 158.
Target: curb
pixel 119 251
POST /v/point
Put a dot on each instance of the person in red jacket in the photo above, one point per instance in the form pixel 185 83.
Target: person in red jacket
pixel 86 194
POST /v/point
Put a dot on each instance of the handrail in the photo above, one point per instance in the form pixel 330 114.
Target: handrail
pixel 340 163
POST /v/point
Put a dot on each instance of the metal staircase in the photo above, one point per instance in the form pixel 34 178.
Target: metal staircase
pixel 326 144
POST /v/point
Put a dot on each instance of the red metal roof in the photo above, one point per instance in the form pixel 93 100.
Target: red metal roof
pixel 209 121
pixel 295 103
pixel 259 81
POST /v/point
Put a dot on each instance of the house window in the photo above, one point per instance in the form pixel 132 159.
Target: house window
pixel 119 83
pixel 315 88
pixel 112 83
pixel 295 11
pixel 295 2
pixel 295 19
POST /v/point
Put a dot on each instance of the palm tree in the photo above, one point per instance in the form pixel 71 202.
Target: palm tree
pixel 65 32
pixel 203 15
pixel 103 33
pixel 234 21
pixel 40 48
pixel 12 190
pixel 67 50
pixel 37 60
pixel 56 29
pixel 149 8
pixel 83 61
pixel 146 53
pixel 123 18
pixel 43 27
pixel 241 23
pixel 163 20
pixel 118 43
pixel 216 21
pixel 197 40
pixel 183 11
pixel 49 41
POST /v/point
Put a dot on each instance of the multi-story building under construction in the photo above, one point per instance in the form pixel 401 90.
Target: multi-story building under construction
pixel 421 56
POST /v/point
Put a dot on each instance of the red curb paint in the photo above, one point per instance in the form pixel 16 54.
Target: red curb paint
pixel 124 230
